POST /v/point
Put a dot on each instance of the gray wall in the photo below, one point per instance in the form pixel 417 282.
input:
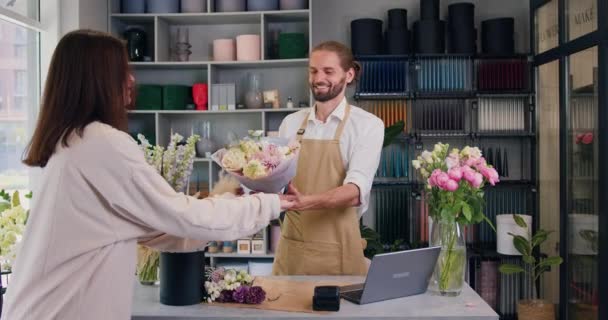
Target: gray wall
pixel 332 17
pixel 83 14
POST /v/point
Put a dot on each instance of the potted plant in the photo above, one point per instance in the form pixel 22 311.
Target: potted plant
pixel 535 308
pixel 454 182
pixel 13 217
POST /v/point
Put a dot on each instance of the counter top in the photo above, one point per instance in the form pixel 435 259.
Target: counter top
pixel 467 306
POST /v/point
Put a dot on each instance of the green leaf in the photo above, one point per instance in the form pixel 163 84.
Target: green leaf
pixel 29 195
pixel 551 261
pixel 466 210
pixel 520 221
pixel 540 237
pixel 521 244
pixel 510 269
pixel 529 259
pixel 5 196
pixel 390 133
pixel 16 201
pixel 4 206
pixel 489 222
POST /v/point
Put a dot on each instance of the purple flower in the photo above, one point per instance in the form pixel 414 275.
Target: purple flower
pixel 256 295
pixel 225 296
pixel 240 294
pixel 217 275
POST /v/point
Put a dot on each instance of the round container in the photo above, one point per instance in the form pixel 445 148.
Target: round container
pixel 429 9
pixel 366 36
pixel 582 231
pixel 505 225
pixel 136 43
pixel 133 6
pixel 262 5
pixel 293 4
pixel 224 50
pixel 181 278
pixel 292 46
pixel 397 19
pixel 429 36
pixel 230 5
pixel 193 6
pixel 162 6
pixel 248 47
pixel 497 36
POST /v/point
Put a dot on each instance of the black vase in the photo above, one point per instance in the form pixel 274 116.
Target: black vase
pixel 182 278
pixel 136 44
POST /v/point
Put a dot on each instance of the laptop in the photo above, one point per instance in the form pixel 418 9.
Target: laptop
pixel 394 275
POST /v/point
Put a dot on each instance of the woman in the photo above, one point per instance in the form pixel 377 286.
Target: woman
pixel 98 197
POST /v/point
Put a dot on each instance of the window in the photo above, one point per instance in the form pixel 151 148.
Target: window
pixel 25 8
pixel 19 78
pixel 546 27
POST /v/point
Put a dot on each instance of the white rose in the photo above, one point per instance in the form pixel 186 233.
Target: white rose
pixel 234 160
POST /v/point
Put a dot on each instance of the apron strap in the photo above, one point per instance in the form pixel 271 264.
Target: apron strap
pixel 342 123
pixel 300 133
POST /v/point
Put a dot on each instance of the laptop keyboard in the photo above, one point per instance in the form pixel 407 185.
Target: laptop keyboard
pixel 353 295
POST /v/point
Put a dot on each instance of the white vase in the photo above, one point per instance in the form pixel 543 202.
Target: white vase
pixel 505 225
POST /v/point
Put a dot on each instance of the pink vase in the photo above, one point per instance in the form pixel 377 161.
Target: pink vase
pixel 224 50
pixel 248 47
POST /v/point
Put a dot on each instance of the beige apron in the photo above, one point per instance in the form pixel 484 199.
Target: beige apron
pixel 320 242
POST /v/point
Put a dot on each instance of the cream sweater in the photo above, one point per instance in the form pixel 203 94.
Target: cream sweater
pixel 97 199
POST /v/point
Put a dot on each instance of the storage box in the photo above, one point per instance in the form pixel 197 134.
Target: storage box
pixel 223 96
pixel 176 97
pixel 149 97
pixel 258 247
pixel 243 246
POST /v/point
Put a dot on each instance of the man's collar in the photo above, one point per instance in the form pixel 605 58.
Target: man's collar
pixel 338 113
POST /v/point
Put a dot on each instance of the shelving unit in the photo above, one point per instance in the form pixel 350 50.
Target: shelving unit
pixel 288 76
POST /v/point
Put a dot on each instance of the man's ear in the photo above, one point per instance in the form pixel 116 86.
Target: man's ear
pixel 350 75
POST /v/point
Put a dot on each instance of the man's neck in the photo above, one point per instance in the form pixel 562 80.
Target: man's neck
pixel 324 109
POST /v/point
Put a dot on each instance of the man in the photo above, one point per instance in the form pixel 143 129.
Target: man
pixel 340 152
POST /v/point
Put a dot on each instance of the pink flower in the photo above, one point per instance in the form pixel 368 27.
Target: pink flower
pixel 441 179
pixel 490 174
pixel 477 180
pixel 433 178
pixel 455 174
pixel 451 185
pixel 453 160
pixel 587 138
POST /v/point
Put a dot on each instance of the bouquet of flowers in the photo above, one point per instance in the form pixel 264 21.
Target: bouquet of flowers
pixel 260 164
pixel 13 217
pixel 231 286
pixel 455 181
pixel 175 165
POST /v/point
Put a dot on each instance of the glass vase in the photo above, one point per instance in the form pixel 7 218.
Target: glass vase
pixel 148 261
pixel 254 98
pixel 448 276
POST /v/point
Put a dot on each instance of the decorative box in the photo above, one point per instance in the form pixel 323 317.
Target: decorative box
pixel 257 247
pixel 243 246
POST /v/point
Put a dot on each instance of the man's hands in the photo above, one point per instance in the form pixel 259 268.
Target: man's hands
pixel 288 201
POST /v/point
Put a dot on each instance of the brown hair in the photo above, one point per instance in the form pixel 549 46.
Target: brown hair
pixel 347 60
pixel 86 82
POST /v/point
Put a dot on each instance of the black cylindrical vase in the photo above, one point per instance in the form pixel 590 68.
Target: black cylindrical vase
pixel 397 19
pixel 429 36
pixel 497 36
pixel 397 41
pixel 182 278
pixel 429 9
pixel 461 26
pixel 366 36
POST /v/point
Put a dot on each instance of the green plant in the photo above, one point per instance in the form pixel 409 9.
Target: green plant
pixel 13 218
pixel 392 132
pixel 526 247
pixel 374 246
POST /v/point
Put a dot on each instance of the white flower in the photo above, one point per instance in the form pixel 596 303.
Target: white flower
pixel 416 164
pixel 424 173
pixel 256 133
pixel 250 147
pixel 234 160
pixel 438 148
pixel 254 170
pixel 475 153
pixel 427 156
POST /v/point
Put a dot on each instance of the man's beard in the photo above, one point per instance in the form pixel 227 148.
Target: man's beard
pixel 332 92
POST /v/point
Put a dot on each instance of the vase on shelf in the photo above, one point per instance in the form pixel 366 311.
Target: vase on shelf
pixel 254 98
pixel 205 146
pixel 448 276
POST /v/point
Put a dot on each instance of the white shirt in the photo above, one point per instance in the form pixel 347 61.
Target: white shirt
pixel 360 143
pixel 98 198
